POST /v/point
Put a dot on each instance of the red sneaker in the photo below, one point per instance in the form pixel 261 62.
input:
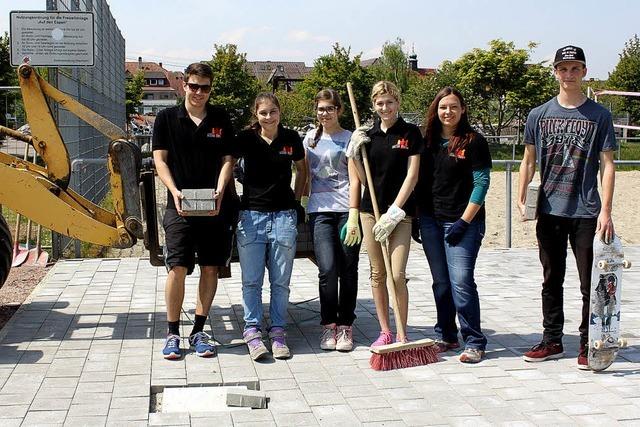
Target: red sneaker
pixel 583 360
pixel 544 351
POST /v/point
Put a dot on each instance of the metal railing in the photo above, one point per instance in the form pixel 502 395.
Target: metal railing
pixel 508 164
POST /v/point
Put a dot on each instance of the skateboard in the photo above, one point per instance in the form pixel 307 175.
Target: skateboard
pixel 604 308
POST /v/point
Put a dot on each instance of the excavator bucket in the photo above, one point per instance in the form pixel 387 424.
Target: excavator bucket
pixel 19 255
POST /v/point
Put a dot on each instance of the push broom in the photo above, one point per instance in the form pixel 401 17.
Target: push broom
pixel 400 354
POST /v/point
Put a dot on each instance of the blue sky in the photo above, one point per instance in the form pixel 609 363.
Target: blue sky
pixel 177 33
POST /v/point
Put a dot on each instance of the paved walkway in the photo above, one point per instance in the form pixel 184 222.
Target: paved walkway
pixel 85 350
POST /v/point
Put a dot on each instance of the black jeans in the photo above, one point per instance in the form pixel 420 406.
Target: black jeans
pixel 552 233
pixel 335 262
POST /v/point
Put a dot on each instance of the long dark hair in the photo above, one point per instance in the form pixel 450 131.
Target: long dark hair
pixel 325 95
pixel 463 134
pixel 264 96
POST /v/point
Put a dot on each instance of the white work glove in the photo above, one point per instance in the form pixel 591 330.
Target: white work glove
pixel 359 137
pixel 387 223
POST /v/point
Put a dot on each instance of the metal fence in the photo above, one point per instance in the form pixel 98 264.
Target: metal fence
pixel 508 165
pixel 100 88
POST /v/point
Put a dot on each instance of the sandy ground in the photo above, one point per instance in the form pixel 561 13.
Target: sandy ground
pixel 17 288
pixel 626 203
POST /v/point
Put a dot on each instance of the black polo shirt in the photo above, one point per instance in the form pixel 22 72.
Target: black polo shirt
pixel 453 178
pixel 267 169
pixel 195 152
pixel 389 159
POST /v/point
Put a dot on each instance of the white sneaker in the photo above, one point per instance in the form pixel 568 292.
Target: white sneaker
pixel 344 340
pixel 328 337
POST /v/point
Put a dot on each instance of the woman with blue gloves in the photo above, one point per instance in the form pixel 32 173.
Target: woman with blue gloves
pixel 454 179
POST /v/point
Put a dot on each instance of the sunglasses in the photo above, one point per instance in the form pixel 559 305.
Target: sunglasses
pixel 193 87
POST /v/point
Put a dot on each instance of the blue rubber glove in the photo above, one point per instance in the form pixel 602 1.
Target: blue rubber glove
pixel 456 232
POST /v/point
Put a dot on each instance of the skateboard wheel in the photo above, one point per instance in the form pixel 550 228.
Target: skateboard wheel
pixel 626 263
pixel 598 344
pixel 602 264
pixel 622 342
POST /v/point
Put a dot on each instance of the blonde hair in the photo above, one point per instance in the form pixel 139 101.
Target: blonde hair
pixel 384 87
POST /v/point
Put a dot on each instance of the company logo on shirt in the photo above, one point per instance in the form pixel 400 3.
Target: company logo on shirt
pixel 215 133
pixel 402 144
pixel 287 150
pixel 458 154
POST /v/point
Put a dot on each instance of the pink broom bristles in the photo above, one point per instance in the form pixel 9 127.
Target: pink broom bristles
pixel 404 358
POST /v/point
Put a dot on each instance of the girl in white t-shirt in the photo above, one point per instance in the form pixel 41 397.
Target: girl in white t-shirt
pixel 328 211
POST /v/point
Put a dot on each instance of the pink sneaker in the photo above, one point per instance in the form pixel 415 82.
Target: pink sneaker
pixel 386 337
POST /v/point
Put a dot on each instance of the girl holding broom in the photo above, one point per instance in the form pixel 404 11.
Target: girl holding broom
pixel 329 211
pixel 452 219
pixel 393 147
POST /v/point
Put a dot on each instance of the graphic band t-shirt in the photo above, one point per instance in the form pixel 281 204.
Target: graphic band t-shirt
pixel 389 154
pixel 568 143
pixel 328 171
pixel 267 169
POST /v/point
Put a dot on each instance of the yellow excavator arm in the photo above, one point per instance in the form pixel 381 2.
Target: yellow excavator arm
pixel 42 193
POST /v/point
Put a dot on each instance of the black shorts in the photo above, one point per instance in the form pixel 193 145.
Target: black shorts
pixel 210 237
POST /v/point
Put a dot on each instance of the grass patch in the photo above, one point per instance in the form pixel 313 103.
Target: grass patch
pixel 91 250
pixel 11 217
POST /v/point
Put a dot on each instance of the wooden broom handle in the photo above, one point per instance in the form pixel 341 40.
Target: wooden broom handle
pixel 376 213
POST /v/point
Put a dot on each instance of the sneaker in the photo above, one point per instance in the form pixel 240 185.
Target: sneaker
pixel 386 337
pixel 444 346
pixel 278 343
pixel 345 338
pixel 583 359
pixel 544 351
pixel 171 348
pixel 328 337
pixel 253 338
pixel 471 355
pixel 200 341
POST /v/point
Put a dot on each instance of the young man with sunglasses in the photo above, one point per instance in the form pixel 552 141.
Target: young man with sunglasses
pixel 191 149
pixel 572 139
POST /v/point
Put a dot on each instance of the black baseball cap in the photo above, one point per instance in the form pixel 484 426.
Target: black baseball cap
pixel 569 53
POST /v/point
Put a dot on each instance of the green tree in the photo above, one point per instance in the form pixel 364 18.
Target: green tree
pixel 232 86
pixel 297 109
pixel 626 77
pixel 8 77
pixel 499 84
pixel 422 89
pixel 393 65
pixel 133 93
pixel 334 71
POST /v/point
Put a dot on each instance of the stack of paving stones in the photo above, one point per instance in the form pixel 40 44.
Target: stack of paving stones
pixel 85 350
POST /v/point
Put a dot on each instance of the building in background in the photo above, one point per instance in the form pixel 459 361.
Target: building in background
pixel 278 75
pixel 162 88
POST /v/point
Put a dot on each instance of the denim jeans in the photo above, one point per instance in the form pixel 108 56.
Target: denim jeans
pixel 553 232
pixel 266 239
pixel 336 261
pixel 454 286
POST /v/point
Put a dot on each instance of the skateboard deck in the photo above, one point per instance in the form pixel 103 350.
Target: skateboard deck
pixel 604 307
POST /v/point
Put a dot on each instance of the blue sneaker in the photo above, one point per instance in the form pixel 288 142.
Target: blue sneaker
pixel 171 348
pixel 200 341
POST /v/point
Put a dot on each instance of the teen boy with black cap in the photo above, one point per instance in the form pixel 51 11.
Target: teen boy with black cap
pixel 572 138
pixel 191 149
